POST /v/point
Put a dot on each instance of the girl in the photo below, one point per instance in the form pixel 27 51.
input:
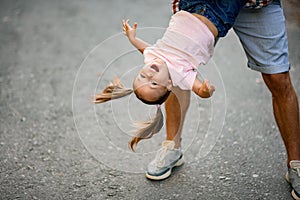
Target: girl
pixel 172 62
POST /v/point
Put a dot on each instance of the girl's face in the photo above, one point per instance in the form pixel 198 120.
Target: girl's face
pixel 153 80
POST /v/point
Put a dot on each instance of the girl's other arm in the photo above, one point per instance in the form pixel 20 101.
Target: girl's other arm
pixel 130 32
pixel 203 89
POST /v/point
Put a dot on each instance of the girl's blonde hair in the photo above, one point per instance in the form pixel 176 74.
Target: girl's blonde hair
pixel 114 90
pixel 145 129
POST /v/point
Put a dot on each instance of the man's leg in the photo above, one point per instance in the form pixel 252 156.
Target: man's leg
pixel 176 107
pixel 263 35
pixel 286 111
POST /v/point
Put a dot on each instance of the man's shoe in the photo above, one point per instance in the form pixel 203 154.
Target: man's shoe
pixel 166 158
pixel 293 177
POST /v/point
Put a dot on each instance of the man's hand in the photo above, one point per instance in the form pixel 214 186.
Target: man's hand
pixel 129 31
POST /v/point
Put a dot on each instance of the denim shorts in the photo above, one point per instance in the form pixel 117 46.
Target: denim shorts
pixel 262 33
pixel 221 13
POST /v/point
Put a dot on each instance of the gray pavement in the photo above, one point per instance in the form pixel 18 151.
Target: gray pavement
pixel 54 144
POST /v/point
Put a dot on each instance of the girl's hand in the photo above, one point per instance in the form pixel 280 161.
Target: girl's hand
pixel 203 89
pixel 206 90
pixel 129 31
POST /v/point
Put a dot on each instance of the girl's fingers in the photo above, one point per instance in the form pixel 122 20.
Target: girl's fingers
pixel 134 25
pixel 127 27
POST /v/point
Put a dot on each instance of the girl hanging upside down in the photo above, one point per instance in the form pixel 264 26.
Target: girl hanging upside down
pixel 172 62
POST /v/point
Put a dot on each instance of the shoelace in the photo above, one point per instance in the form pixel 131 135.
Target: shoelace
pixel 160 157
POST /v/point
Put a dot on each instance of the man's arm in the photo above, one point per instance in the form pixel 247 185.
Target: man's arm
pixel 203 89
pixel 130 32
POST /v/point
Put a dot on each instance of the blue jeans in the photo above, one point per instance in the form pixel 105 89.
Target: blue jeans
pixel 221 13
pixel 262 33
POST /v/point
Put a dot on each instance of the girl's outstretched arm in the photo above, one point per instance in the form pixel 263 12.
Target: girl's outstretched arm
pixel 203 89
pixel 130 32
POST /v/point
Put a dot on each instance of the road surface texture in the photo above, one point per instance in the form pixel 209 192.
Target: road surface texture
pixel 55 144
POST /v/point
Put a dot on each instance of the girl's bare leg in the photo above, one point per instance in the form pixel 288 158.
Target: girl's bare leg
pixel 176 107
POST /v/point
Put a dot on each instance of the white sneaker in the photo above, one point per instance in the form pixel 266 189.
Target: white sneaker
pixel 293 177
pixel 166 158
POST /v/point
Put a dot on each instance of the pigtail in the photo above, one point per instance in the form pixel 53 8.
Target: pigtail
pixel 148 128
pixel 114 90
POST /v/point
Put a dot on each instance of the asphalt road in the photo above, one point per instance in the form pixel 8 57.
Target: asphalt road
pixel 55 144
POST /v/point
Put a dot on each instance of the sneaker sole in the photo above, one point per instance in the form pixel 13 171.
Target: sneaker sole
pixel 168 173
pixel 294 195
